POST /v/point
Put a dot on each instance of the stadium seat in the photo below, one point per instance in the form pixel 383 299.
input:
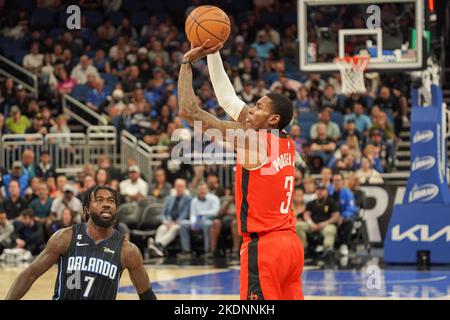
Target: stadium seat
pixel 151 217
pixel 130 214
pixel 270 18
pixel 132 5
pixel 338 118
pixel 93 19
pixel 42 19
pixel 289 17
pixel 305 127
pixel 110 79
pixel 139 19
pixel 80 92
pixel 154 5
pixel 116 18
pixel 241 5
pixel 9 49
pixel 18 56
pixel 308 116
pixel 175 5
pixel 56 33
pixel 27 5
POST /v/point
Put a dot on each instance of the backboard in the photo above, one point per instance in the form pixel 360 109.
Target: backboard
pixel 390 32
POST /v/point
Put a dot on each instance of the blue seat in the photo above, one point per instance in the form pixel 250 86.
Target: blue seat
pixel 80 92
pixel 132 5
pixel 308 116
pixel 93 18
pixel 90 54
pixel 154 5
pixel 338 118
pixel 9 49
pixel 110 79
pixel 175 5
pixel 139 19
pixel 116 17
pixel 56 33
pixel 289 17
pixel 18 56
pixel 42 18
pixel 25 5
pixel 305 127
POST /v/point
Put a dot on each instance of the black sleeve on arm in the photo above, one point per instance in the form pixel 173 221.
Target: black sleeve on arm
pixel 148 295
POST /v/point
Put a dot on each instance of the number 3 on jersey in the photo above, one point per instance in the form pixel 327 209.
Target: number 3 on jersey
pixel 288 185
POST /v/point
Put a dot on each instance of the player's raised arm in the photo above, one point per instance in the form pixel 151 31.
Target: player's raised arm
pixel 132 260
pixel 187 104
pixel 223 89
pixel 56 246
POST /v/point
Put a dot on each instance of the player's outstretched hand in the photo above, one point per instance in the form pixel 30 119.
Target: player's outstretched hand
pixel 200 51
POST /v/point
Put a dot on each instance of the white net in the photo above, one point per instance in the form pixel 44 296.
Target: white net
pixel 352 73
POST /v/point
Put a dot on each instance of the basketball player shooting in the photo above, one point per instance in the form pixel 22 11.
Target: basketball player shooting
pixel 271 253
pixel 91 256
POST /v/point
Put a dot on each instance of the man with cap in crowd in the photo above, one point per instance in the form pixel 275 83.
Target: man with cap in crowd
pixel 320 218
pixel 17 173
pixel 16 122
pixel 38 125
pixel 134 188
pixel 67 200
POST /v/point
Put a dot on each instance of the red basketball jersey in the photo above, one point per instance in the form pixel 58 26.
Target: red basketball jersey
pixel 264 195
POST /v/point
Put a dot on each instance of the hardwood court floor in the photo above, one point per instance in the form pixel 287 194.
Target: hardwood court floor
pixel 174 281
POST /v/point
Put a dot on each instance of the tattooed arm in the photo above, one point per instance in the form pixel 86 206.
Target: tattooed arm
pixel 191 111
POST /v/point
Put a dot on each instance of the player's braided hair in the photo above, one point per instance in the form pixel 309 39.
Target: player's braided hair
pixel 92 192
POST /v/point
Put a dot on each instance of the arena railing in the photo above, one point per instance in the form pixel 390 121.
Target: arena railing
pixel 69 151
pixel 19 75
pixel 81 112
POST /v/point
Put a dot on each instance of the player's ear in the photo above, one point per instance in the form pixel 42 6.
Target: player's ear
pixel 274 119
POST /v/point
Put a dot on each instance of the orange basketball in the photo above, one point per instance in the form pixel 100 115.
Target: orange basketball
pixel 207 22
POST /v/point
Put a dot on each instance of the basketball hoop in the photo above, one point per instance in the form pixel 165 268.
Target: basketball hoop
pixel 352 73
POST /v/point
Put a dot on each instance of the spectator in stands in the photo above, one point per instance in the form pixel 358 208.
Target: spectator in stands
pixel 31 192
pixel 262 45
pixel 160 189
pixel 176 209
pixel 32 108
pixel 322 146
pixel 17 174
pixel 45 168
pixel 28 165
pixel 102 178
pixel 384 149
pixel 213 183
pixel 97 95
pixel 47 118
pixel 176 168
pixel 134 188
pixel 204 207
pixel 118 110
pixel 67 220
pixel 21 100
pixel 7 96
pixel 350 130
pixel 347 209
pixel 28 233
pixel 353 185
pixel 321 217
pixel 332 128
pixel 362 121
pixel 329 100
pixel 104 162
pixel 65 84
pixel 298 204
pixel 226 223
pixel 68 62
pixel 309 187
pixel 326 179
pixel 68 200
pixel 353 146
pixel 14 203
pixel 126 29
pixel 6 231
pixel 37 125
pixel 33 60
pixel 382 123
pixel 132 80
pixel 367 174
pixel 17 123
pixel 82 69
pixel 390 103
pixel 119 65
pixel 373 154
pixel 43 204
pixel 304 103
pixel 3 128
pixel 247 94
pixel 101 62
pixel 61 127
